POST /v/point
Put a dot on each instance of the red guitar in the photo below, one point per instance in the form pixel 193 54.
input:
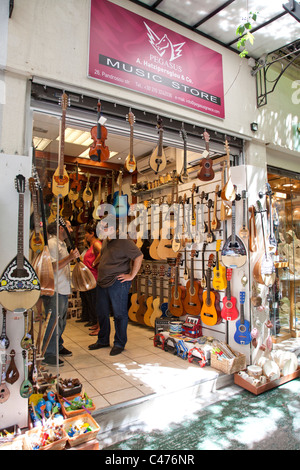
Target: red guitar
pixel 229 310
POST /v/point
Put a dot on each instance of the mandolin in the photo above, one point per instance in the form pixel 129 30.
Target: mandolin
pixel 234 254
pixel 244 232
pixel 206 172
pixel 4 391
pixel 242 334
pixel 177 293
pixel 26 389
pixel 19 283
pixel 130 162
pixel 158 302
pixel 228 191
pixel 36 240
pixel 4 340
pixel 215 223
pixel 99 152
pixel 253 242
pixel 191 302
pixel 210 314
pixel 158 159
pixel 60 180
pixel 229 310
pixel 264 268
pixel 142 299
pixel 219 281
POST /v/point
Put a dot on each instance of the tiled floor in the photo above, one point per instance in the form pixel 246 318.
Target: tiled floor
pixel 140 370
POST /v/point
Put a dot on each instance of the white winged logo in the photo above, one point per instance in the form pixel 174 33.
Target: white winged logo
pixel 164 45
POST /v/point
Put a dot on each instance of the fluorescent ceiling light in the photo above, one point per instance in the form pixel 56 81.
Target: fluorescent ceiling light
pixel 40 143
pixel 78 137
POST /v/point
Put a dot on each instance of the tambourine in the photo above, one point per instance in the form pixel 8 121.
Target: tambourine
pixel 199 360
pixel 159 341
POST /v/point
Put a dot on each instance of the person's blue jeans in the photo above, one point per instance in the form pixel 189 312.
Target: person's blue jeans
pixel 113 299
pixel 50 304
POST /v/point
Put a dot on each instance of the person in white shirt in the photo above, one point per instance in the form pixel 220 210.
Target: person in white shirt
pixel 57 246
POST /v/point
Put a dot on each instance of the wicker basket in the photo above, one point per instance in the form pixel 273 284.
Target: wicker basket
pixel 71 413
pixel 57 445
pixel 228 366
pixel 88 436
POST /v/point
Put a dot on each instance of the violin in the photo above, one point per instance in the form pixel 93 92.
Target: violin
pixel 98 150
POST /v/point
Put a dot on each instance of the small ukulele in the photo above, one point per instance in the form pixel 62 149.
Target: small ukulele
pixel 242 334
pixel 206 173
pixel 229 310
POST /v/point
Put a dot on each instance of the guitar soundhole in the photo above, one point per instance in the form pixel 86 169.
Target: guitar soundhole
pixel 242 328
pixel 207 165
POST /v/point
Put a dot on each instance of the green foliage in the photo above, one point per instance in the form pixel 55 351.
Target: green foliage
pixel 243 30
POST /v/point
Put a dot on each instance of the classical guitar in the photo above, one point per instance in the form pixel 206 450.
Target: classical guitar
pixel 60 180
pixel 229 310
pixel 176 307
pixel 184 176
pixel 209 314
pixel 253 241
pixel 165 305
pixel 215 223
pixel 152 298
pixel 210 237
pixel 99 152
pixel 244 232
pixel 36 240
pixel 264 268
pixel 4 340
pixel 191 302
pixel 130 162
pixel 219 281
pixel 4 391
pixel 158 302
pixel 228 191
pixel 156 233
pixel 120 200
pixel 158 159
pixel 234 254
pixel 19 283
pixel 242 334
pixel 26 389
pixel 142 299
pixel 165 248
pixel 136 285
pixel 206 172
pixel 203 281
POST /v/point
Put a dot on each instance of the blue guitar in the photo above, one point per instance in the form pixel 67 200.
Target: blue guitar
pixel 242 334
pixel 120 201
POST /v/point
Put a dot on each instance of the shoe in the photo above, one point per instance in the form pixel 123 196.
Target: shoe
pixel 90 323
pixel 94 333
pixel 81 320
pixel 65 352
pixel 94 327
pixel 115 351
pixel 51 361
pixel 98 346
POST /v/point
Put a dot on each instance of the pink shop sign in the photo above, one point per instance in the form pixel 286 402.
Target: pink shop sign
pixel 133 52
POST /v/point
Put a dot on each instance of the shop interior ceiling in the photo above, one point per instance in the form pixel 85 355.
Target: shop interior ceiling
pixel 276 38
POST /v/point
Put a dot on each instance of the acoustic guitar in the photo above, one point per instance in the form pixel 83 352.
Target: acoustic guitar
pixel 156 233
pixel 229 310
pixel 36 240
pixel 234 254
pixel 158 159
pixel 134 296
pixel 60 180
pixel 97 199
pixel 210 313
pixel 158 302
pixel 167 233
pixel 244 232
pixel 152 298
pixel 130 162
pixel 176 307
pixel 142 299
pixel 242 334
pixel 219 281
pixel 19 283
pixel 191 302
pixel 206 172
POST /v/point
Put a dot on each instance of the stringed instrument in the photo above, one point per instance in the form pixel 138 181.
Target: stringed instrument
pixel 60 179
pixel 12 373
pixel 134 296
pixel 210 237
pixel 156 233
pixel 234 254
pixel 202 225
pixel 4 390
pixel 142 299
pixel 242 334
pixel 176 307
pixel 120 200
pixel 229 310
pixel 75 185
pixel 26 341
pixel 184 176
pixel 4 340
pixel 164 247
pixel 158 161
pixel 19 283
pixel 225 212
pixel 36 240
pixel 158 302
pixel 253 241
pixel 215 223
pixel 151 298
pixel 203 281
pixel 165 305
pixel 191 303
pixel 264 268
pixel 130 162
pixel 87 195
pixel 272 239
pixel 219 281
pixel 97 200
pixel 244 232
pixel 228 191
pixel 99 152
pixel 206 172
pixel 210 313
pixel 26 389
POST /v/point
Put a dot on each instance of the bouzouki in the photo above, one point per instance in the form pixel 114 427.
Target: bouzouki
pixel 99 152
pixel 219 281
pixel 177 293
pixel 184 177
pixel 158 302
pixel 244 232
pixel 242 334
pixel 60 180
pixel 4 340
pixel 206 173
pixel 215 223
pixel 234 254
pixel 19 283
pixel 209 314
pixel 229 310
pixel 191 302
pixel 36 239
pixel 130 162
pixel 264 268
pixel 158 159
pixel 228 191
pixel 142 299
pixel 210 237
pixel 253 242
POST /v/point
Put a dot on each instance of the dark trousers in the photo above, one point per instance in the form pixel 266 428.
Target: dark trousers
pixel 113 299
pixel 88 301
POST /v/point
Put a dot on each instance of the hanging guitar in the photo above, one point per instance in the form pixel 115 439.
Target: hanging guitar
pixel 99 152
pixel 142 300
pixel 210 313
pixel 130 162
pixel 19 283
pixel 219 281
pixel 152 299
pixel 159 301
pixel 206 173
pixel 136 292
pixel 60 180
pixel 158 159
pixel 176 307
pixel 242 334
pixel 234 254
pixel 191 302
pixel 229 310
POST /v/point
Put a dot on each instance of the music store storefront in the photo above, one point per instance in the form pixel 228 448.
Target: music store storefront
pixel 135 105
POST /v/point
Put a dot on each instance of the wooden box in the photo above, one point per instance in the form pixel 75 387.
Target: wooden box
pixel 268 386
pixel 81 438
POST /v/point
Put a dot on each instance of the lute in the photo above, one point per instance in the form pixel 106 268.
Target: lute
pixel 158 159
pixel 60 180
